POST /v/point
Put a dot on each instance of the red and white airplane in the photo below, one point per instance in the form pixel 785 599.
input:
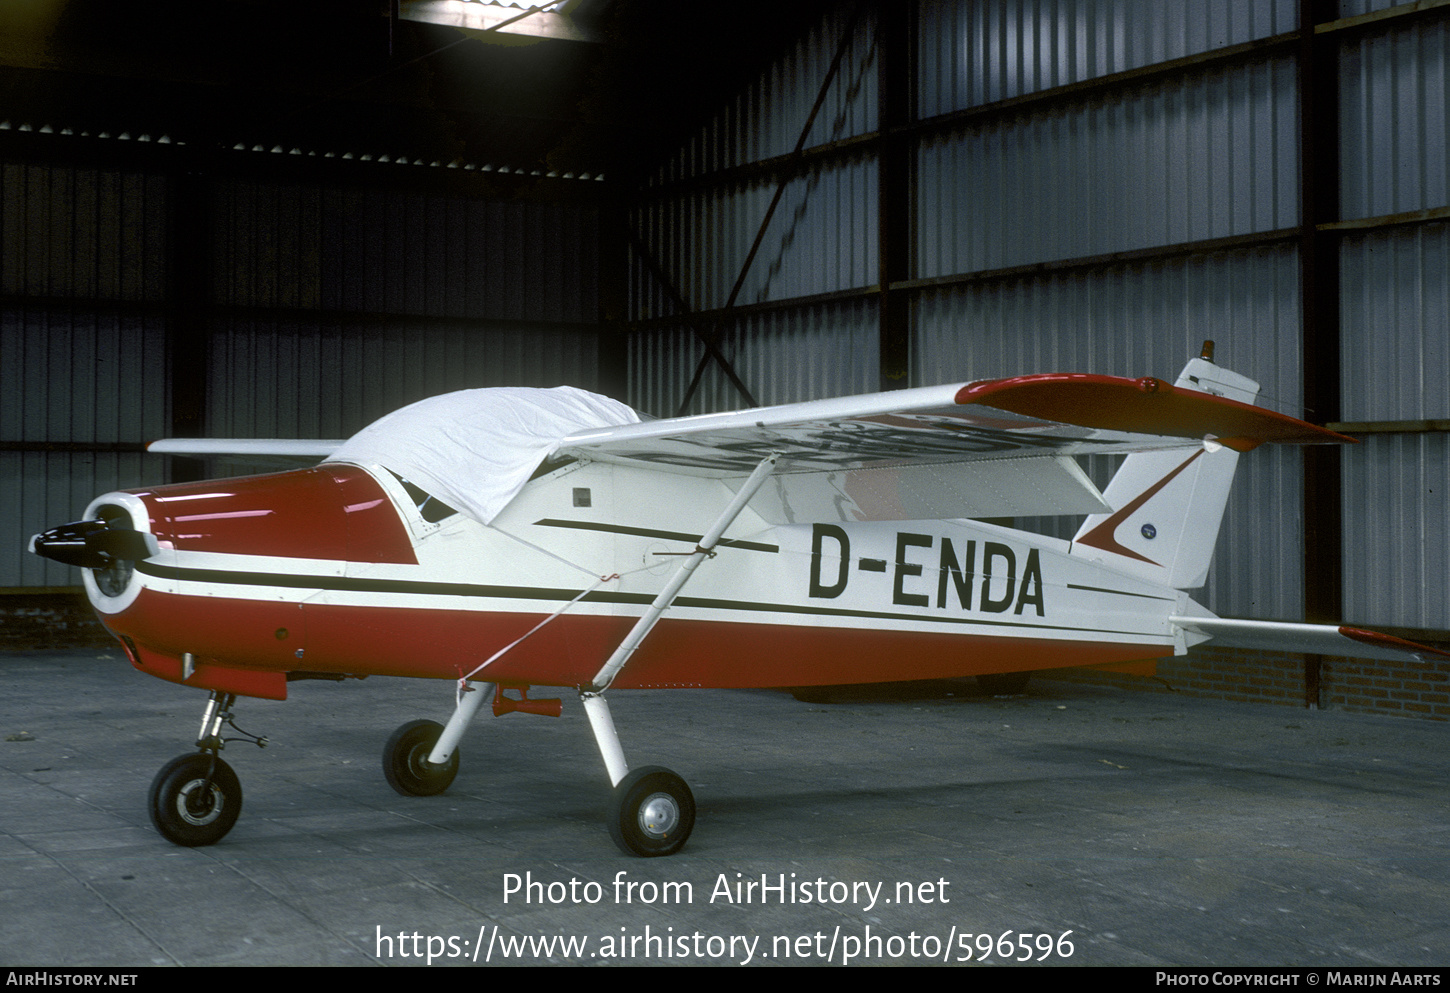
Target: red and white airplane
pixel 514 538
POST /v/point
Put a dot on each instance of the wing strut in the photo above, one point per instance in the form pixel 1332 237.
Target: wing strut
pixel 592 695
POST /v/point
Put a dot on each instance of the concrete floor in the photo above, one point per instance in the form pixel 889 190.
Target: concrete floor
pixel 1137 829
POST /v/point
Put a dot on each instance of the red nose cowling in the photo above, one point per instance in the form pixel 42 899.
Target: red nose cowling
pixel 241 621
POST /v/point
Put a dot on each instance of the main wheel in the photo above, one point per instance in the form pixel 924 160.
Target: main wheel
pixel 653 812
pixel 195 799
pixel 405 760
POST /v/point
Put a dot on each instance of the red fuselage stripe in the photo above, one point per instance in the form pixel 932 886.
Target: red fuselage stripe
pixel 434 643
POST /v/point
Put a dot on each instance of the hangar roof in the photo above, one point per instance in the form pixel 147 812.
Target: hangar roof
pixel 419 79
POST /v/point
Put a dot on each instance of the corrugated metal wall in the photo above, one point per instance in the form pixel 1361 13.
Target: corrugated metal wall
pixel 978 53
pixel 1061 220
pixel 1205 153
pixel 823 238
pixel 779 355
pixel 336 306
pixel 82 346
pixel 325 305
pixel 1396 349
pixel 766 120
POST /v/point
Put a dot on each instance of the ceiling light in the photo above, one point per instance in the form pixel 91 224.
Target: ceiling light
pixel 544 21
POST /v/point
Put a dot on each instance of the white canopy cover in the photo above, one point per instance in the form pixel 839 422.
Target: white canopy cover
pixel 475 449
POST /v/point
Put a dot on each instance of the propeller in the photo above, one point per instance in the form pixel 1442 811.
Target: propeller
pixel 93 544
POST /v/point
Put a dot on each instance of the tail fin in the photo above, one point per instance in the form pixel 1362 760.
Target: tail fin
pixel 1169 503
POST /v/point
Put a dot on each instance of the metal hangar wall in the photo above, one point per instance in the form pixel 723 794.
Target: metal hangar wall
pixel 301 307
pixel 968 190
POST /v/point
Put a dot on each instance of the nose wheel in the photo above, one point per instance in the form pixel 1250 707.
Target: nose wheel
pixel 195 799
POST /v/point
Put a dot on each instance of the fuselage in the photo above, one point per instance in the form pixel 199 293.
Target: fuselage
pixel 345 569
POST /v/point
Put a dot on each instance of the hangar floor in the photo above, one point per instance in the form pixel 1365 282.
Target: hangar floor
pixel 1133 829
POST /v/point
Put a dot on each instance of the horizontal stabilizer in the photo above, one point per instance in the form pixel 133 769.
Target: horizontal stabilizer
pixel 1315 639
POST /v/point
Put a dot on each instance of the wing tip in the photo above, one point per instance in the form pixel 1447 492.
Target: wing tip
pixel 1143 406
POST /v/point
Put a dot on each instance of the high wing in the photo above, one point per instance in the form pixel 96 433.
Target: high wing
pixel 288 447
pixel 245 456
pixel 986 449
pixel 993 448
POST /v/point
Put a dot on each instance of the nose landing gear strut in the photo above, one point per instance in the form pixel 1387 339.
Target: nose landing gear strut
pixel 196 798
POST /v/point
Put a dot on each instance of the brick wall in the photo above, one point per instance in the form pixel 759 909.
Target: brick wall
pixel 1380 688
pixel 49 619
pixel 1247 676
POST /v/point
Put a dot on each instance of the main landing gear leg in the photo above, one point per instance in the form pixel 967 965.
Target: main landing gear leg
pixel 463 714
pixel 196 798
pixel 652 810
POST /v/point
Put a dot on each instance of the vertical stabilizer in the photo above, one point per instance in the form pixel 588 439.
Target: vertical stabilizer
pixel 1169 504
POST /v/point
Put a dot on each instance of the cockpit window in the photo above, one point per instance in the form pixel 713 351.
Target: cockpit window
pixel 430 508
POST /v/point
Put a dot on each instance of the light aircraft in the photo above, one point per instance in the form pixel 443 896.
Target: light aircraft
pixel 509 539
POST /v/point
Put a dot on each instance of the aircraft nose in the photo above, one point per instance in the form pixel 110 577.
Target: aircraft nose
pixel 107 544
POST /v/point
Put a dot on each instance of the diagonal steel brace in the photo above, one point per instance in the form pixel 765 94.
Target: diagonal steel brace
pixel 592 695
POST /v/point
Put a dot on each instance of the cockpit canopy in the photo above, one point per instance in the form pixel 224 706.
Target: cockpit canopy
pixel 475 449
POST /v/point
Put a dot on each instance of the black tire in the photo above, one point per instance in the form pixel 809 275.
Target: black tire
pixel 195 799
pixel 652 814
pixel 1004 683
pixel 406 765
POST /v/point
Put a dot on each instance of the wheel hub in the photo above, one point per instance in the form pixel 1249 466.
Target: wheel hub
pixel 658 815
pixel 197 805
